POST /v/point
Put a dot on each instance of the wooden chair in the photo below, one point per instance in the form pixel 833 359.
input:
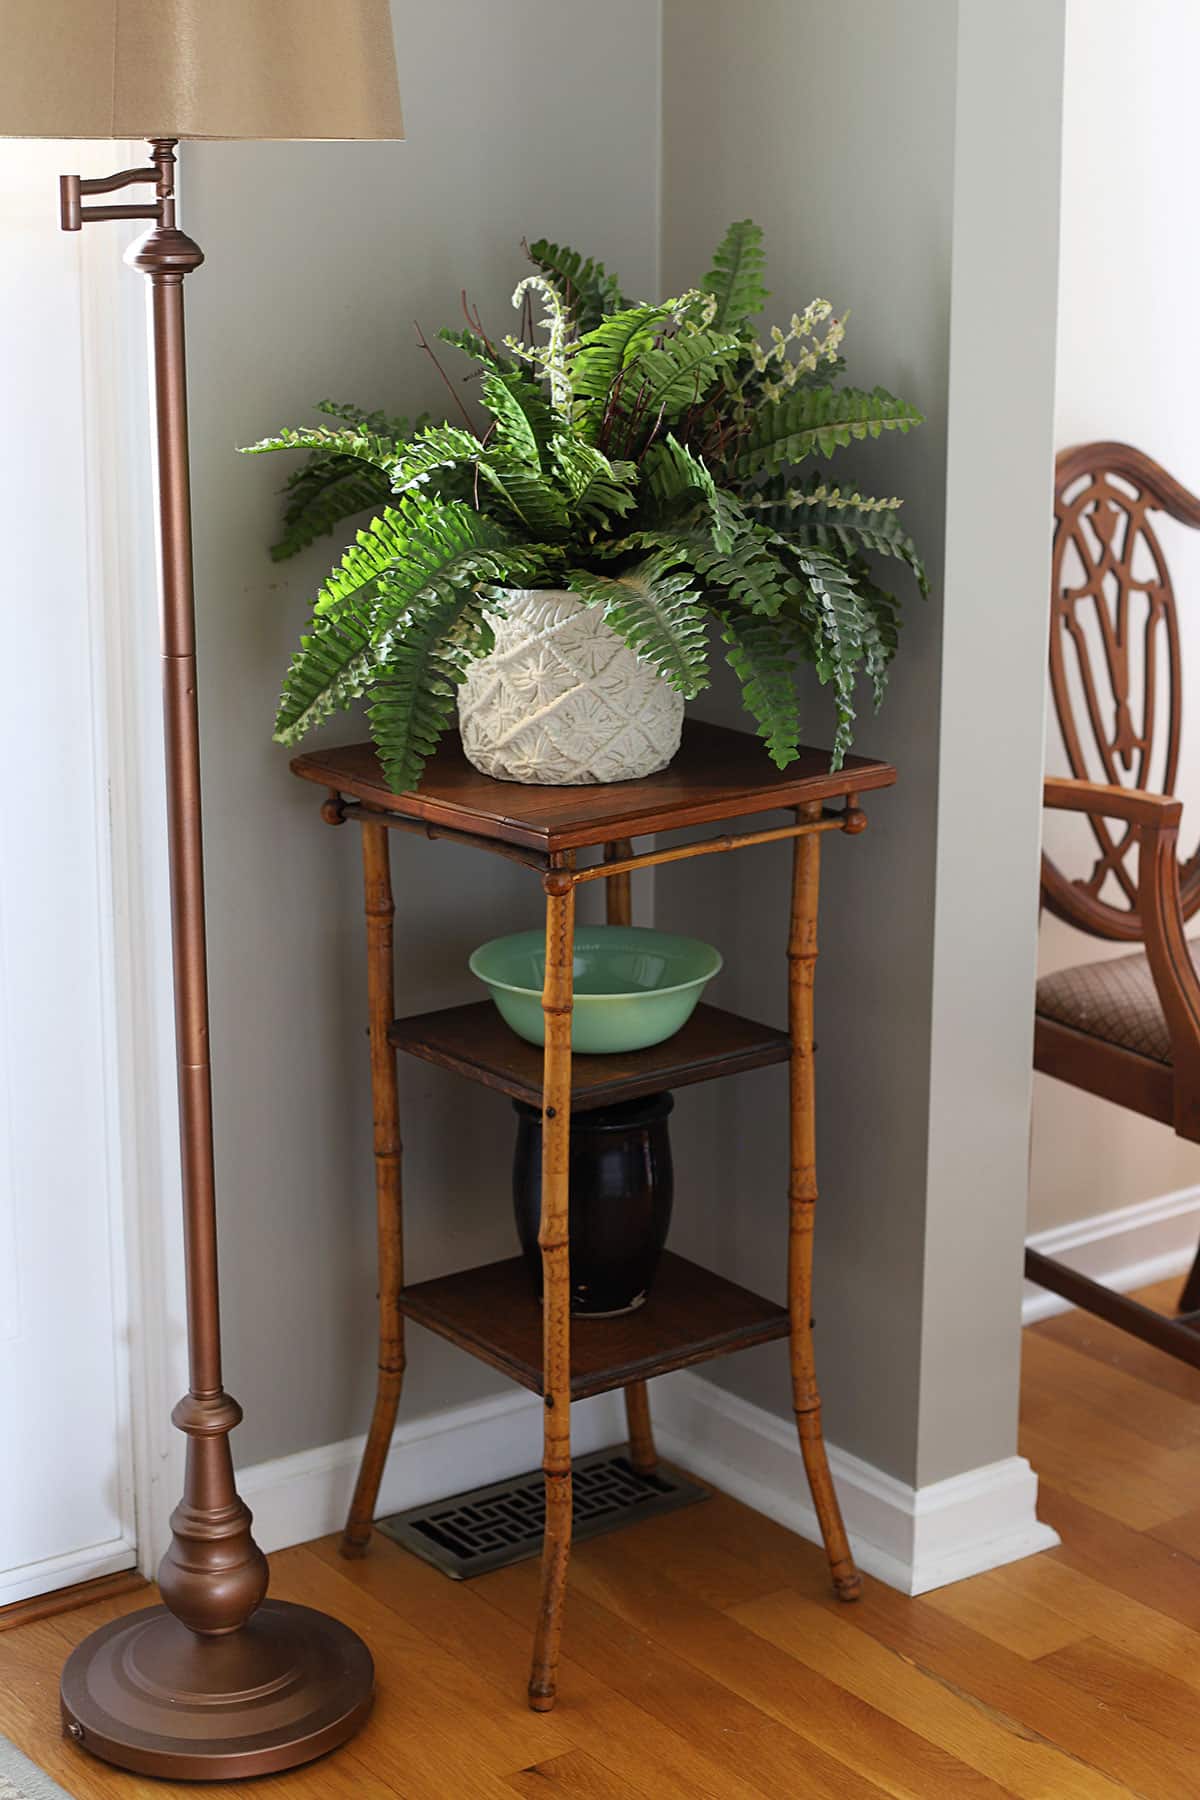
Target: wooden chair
pixel 1127 1029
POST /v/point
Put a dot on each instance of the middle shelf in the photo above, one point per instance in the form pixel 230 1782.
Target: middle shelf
pixel 691 1314
pixel 475 1041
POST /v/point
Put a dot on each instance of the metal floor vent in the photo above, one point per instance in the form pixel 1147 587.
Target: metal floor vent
pixel 490 1527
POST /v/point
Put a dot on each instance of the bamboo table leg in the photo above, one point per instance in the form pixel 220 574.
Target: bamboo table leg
pixel 802 1197
pixel 380 910
pixel 642 1454
pixel 554 1239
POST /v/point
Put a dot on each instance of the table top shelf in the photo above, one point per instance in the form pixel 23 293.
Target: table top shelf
pixel 691 1315
pixel 718 774
pixel 475 1042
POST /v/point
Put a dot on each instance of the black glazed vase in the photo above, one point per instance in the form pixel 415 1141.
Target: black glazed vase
pixel 621 1189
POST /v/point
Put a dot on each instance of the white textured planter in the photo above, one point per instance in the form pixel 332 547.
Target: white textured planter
pixel 562 699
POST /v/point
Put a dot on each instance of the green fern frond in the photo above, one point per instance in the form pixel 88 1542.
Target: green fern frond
pixel 431 622
pixel 676 478
pixel 739 565
pixel 840 649
pixel 331 486
pixel 672 473
pixel 760 653
pixel 373 424
pixel 598 490
pixel 422 546
pixel 363 446
pixel 881 637
pixel 535 503
pixel 440 447
pixel 322 495
pixel 413 695
pixel 665 379
pixel 657 610
pixel 735 279
pixel 486 354
pixel 747 572
pixel 823 420
pixel 596 360
pixel 522 414
pixel 334 660
pixel 591 293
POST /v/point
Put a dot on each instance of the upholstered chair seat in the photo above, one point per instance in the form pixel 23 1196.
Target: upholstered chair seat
pixel 1115 1001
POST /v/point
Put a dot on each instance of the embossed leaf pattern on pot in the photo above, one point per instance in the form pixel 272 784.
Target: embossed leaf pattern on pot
pixel 561 700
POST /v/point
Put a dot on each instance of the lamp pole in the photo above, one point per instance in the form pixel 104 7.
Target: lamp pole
pixel 217 1682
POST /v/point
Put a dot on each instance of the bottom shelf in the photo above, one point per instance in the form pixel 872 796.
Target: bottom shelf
pixel 690 1316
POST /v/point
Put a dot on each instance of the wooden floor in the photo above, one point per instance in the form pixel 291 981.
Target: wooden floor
pixel 706 1657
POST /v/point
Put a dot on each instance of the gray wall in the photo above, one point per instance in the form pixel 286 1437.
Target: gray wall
pixel 319 259
pixel 855 138
pixel 865 144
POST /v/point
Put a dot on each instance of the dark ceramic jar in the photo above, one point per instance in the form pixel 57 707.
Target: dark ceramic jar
pixel 622 1186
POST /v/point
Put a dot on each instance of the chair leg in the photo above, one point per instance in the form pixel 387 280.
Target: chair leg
pixel 802 958
pixel 1189 1299
pixel 554 1240
pixel 619 909
pixel 380 911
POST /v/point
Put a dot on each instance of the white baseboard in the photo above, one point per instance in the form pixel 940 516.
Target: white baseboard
pixel 295 1498
pixel 913 1540
pixel 1126 1249
pixel 46 1577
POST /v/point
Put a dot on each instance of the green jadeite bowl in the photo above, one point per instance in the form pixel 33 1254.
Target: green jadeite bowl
pixel 633 987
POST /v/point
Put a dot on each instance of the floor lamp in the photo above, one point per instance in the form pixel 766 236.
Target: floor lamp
pixel 218 1682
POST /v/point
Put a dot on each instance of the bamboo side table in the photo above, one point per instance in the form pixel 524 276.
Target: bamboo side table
pixel 691 1314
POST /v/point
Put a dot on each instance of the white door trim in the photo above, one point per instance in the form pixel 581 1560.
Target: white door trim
pixel 148 1239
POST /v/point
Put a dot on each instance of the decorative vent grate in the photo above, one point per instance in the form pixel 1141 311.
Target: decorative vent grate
pixel 490 1527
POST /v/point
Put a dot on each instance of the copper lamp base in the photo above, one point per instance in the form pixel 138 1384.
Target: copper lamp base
pixel 150 1695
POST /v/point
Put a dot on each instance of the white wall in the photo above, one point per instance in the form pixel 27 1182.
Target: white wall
pixel 319 259
pixel 65 1411
pixel 1128 365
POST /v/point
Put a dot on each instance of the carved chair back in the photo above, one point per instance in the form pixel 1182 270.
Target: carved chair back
pixel 1115 672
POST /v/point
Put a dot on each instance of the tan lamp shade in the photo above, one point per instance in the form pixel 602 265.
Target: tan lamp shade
pixel 198 69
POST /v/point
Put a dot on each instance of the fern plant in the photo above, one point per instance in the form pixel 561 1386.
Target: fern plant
pixel 644 457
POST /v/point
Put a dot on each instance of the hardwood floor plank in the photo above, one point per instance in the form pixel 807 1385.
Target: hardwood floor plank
pixel 1138 1483
pixel 1116 1350
pixel 1093 1609
pixel 738 1735
pixel 1055 1372
pixel 1182 1533
pixel 576 1775
pixel 865 1733
pixel 987 1738
pixel 447 1725
pixel 1129 1562
pixel 1008 1616
pixel 1029 1695
pixel 616 1731
pixel 1149 1697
